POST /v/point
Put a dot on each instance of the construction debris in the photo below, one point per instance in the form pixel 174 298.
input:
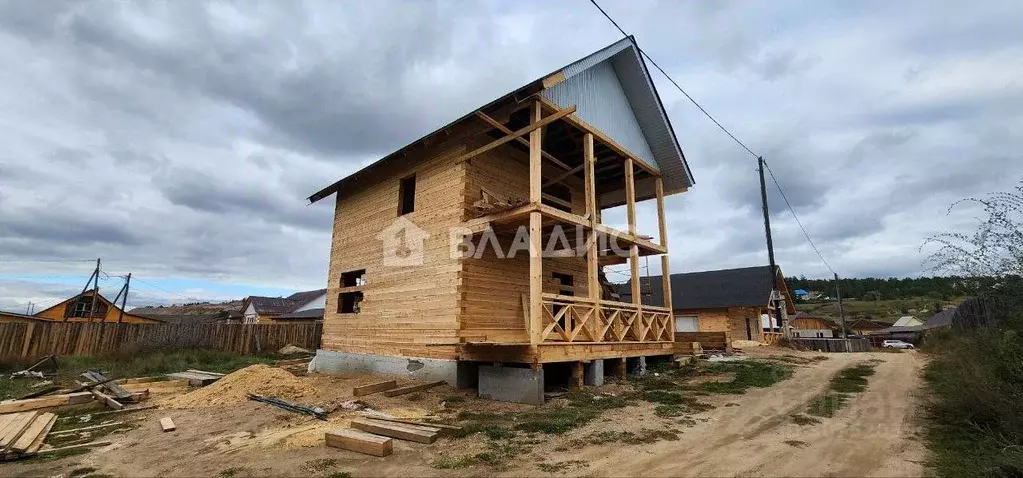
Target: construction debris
pixel 387 418
pixel 23 433
pixel 107 399
pixel 75 431
pixel 234 388
pixel 293 350
pixel 413 388
pixel 167 424
pixel 45 402
pixel 197 378
pixel 31 372
pixel 360 442
pixel 374 388
pixel 490 204
pixel 111 386
pixel 291 407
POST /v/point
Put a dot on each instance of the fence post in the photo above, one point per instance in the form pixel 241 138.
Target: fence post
pixel 28 339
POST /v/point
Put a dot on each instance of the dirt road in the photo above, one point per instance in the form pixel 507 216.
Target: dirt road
pixel 874 435
pixel 752 434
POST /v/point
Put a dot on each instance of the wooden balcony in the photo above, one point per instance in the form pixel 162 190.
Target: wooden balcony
pixel 577 319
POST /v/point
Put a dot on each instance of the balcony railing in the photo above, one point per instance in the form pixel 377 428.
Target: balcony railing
pixel 579 319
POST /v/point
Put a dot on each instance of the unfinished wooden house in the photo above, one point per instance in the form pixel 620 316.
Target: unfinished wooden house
pixel 482 241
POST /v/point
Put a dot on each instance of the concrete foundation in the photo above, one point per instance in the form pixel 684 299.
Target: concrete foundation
pixel 459 374
pixel 511 384
pixel 593 373
pixel 637 366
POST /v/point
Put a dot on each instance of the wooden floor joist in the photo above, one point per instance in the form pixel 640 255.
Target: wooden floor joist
pixel 374 388
pixel 360 442
pixel 400 431
pixel 413 388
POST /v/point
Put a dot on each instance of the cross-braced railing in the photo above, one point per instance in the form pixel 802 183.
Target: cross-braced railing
pixel 579 319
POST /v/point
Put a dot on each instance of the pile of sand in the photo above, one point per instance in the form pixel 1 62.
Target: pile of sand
pixel 232 388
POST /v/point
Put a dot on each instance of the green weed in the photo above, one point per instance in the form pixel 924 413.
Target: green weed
pixel 746 374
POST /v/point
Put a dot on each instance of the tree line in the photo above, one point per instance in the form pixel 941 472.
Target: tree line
pixel 871 288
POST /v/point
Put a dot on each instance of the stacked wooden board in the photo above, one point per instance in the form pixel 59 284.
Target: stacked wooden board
pixel 23 433
pixel 197 378
pixel 372 436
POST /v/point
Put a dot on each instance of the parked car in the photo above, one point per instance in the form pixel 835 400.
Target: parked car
pixel 897 344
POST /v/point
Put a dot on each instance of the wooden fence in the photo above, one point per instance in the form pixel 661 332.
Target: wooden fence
pixel 28 341
pixel 833 345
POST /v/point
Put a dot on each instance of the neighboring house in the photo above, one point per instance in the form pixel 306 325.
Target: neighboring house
pixel 800 293
pixel 865 326
pixel 907 321
pixel 555 152
pixel 82 308
pixel 941 320
pixel 728 300
pixel 298 307
pixel 805 325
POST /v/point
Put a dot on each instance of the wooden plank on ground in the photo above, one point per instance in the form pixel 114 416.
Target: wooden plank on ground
pixel 158 387
pixel 40 426
pixel 14 430
pixel 395 430
pixel 360 442
pixel 38 442
pixel 108 412
pixel 412 422
pixel 374 388
pixel 111 386
pixel 299 361
pixel 45 402
pixel 195 379
pixel 203 372
pixel 413 388
pixel 167 424
pixel 107 400
pixel 73 431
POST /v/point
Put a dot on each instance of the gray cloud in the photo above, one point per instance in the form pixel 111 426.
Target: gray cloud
pixel 179 140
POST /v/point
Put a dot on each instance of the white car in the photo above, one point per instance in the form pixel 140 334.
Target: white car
pixel 897 344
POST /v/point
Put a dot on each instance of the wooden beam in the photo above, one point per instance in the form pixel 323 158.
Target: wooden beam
pixel 665 263
pixel 360 442
pixel 412 422
pixel 107 399
pixel 535 231
pixel 561 177
pixel 530 129
pixel 592 266
pixel 374 388
pixel 395 430
pixel 45 402
pixel 662 224
pixel 634 274
pixel 412 388
pixel 556 200
pixel 630 196
pixel 504 129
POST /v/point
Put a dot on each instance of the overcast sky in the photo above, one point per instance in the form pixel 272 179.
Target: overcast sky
pixel 179 140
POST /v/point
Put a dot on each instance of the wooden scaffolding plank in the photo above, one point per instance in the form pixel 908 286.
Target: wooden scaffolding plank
pixel 374 388
pixel 412 388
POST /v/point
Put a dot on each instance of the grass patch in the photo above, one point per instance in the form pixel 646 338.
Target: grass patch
pixel 453 399
pixel 320 464
pixel 848 381
pixel 747 374
pixel 644 436
pixel 803 420
pixel 663 397
pixel 340 474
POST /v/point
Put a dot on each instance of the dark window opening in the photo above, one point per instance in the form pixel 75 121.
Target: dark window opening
pixel 83 305
pixel 407 195
pixel 349 302
pixel 353 278
pixel 558 196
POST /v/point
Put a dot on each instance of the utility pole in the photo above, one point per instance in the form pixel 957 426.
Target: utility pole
pixel 775 293
pixel 95 290
pixel 124 300
pixel 841 310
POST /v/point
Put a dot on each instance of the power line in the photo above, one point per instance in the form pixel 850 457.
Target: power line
pixel 794 216
pixel 719 125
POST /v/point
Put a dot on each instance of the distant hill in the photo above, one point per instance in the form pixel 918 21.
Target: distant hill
pixel 195 308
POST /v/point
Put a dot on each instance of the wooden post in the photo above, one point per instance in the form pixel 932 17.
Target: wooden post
pixel 665 263
pixel 577 375
pixel 623 372
pixel 630 195
pixel 592 265
pixel 535 230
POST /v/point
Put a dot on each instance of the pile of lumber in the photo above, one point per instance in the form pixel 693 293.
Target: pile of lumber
pixel 197 378
pixel 373 435
pixel 22 434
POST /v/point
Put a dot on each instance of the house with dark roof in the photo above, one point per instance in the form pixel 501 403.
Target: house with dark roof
pixel 306 306
pixel 728 300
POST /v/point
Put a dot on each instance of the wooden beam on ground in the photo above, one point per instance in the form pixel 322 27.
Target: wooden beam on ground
pixel 373 388
pixel 111 386
pixel 412 388
pixel 15 428
pixel 530 129
pixel 167 424
pixel 395 430
pixel 412 422
pixel 157 387
pixel 111 412
pixel 45 402
pixel 107 400
pixel 577 375
pixel 504 129
pixel 359 442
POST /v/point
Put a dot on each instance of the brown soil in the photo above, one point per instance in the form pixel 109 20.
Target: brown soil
pixel 258 379
pixel 875 435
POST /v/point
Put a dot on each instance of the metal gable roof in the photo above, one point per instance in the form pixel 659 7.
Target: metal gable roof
pixel 648 112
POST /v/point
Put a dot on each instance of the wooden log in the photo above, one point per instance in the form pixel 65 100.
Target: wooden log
pixel 374 388
pixel 412 422
pixel 45 402
pixel 360 442
pixel 40 426
pixel 414 388
pixel 394 430
pixel 167 424
pixel 107 400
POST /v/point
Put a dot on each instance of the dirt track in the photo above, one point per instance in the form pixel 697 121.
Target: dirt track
pixel 875 435
pixel 744 435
